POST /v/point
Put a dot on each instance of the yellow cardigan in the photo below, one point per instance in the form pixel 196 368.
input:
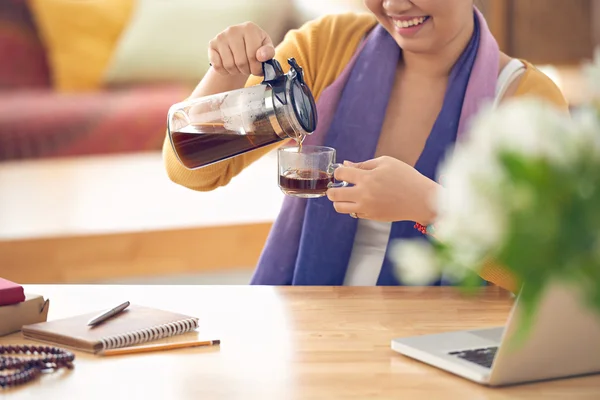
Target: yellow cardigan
pixel 323 48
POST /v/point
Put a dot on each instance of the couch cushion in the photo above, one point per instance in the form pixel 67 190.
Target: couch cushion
pixel 23 57
pixel 80 37
pixel 36 123
pixel 168 40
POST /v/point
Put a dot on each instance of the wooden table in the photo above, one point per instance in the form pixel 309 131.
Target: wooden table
pixel 286 343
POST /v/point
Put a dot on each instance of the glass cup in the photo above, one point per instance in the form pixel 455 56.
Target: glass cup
pixel 307 173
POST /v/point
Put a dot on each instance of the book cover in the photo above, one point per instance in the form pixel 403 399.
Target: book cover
pixel 137 324
pixel 10 293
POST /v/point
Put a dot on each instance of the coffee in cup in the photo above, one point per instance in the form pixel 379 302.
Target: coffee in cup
pixel 307 173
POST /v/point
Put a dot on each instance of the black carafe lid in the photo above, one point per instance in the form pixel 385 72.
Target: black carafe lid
pixel 291 89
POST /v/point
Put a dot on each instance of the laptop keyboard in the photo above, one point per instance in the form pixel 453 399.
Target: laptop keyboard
pixel 483 357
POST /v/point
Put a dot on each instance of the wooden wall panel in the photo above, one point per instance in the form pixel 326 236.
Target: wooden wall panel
pixel 496 14
pixel 551 31
pixel 596 22
pixel 144 254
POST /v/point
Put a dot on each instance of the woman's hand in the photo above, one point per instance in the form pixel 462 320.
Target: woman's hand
pixel 241 50
pixel 235 54
pixel 385 189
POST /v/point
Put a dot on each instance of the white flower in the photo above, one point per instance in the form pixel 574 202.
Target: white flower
pixel 415 262
pixel 592 74
pixel 468 209
pixel 584 133
pixel 477 196
pixel 527 126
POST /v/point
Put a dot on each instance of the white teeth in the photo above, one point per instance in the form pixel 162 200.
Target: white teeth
pixel 409 23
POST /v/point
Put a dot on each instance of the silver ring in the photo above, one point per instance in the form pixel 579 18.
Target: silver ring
pixel 353 215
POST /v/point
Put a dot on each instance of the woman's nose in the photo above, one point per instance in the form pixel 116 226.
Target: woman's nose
pixel 395 7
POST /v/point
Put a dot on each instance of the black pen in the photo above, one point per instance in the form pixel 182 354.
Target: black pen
pixel 106 315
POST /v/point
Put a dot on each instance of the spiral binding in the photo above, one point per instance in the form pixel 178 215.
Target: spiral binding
pixel 146 335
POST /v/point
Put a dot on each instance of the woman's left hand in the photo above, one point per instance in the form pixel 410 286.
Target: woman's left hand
pixel 385 189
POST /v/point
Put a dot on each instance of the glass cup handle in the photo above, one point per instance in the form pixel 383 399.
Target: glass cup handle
pixel 331 170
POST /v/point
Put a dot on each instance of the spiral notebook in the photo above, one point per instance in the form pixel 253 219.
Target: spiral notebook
pixel 137 324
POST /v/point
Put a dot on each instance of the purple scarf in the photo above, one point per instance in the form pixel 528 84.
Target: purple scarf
pixel 310 243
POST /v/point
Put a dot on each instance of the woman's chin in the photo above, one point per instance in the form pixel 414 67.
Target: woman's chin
pixel 417 44
pixel 414 45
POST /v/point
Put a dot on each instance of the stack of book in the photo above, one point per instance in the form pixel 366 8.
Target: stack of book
pixel 18 308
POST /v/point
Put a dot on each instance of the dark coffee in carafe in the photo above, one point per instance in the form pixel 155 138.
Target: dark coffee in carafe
pixel 210 129
pixel 199 145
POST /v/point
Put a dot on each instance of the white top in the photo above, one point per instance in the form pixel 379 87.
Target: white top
pixel 371 240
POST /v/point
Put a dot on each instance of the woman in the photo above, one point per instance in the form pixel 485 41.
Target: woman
pixel 395 88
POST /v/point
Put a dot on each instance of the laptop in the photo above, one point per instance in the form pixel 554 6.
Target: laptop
pixel 563 341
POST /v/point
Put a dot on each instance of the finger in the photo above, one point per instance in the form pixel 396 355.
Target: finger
pixel 365 165
pixel 216 62
pixel 344 207
pixel 227 59
pixel 238 49
pixel 348 174
pixel 267 50
pixel 254 42
pixel 265 53
pixel 346 194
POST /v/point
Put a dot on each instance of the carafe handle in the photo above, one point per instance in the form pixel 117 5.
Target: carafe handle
pixel 272 70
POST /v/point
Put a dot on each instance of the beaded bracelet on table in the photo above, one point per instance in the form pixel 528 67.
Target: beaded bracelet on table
pixel 38 359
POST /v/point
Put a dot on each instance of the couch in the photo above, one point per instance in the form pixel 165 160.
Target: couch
pixel 36 121
pixel 39 120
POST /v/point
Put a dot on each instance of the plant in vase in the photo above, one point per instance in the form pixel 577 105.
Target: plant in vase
pixel 521 190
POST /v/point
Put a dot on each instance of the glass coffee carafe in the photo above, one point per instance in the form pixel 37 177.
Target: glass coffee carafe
pixel 209 129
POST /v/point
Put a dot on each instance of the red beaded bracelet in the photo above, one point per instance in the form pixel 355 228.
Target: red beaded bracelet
pixel 424 229
pixel 421 228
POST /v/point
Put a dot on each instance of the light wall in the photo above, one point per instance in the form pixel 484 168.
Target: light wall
pixel 310 9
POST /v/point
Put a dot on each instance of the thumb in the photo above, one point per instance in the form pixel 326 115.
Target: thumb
pixel 365 165
pixel 266 51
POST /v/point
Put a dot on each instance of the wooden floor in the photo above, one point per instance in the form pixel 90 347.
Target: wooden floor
pixel 107 218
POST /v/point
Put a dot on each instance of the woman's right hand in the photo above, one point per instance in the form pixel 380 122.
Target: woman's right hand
pixel 240 50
